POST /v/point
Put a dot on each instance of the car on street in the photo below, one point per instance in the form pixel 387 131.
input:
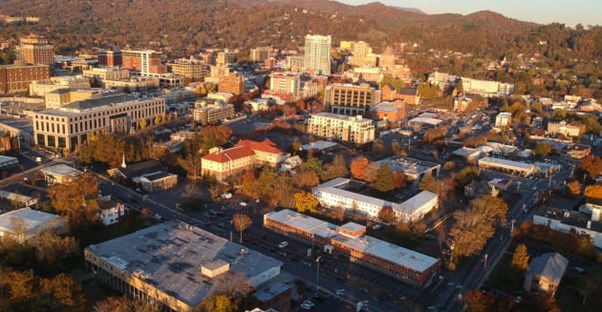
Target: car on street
pixel 283 244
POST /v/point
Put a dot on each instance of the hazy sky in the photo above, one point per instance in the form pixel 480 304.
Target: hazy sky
pixel 569 12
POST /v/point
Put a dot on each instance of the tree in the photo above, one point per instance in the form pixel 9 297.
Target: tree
pixel 77 199
pixel 296 146
pixel 157 120
pixel 467 175
pixel 520 259
pixel 592 165
pixel 142 124
pixel 305 201
pixel 249 185
pixel 267 181
pixel 339 166
pixel 313 164
pixel 241 222
pixel 306 179
pixel 384 179
pixel 358 167
pixel 371 172
pixel 399 180
pixel 218 303
pixel 594 192
pixel 477 301
pixel 51 248
pixel 573 188
pixel 542 149
pixel 386 214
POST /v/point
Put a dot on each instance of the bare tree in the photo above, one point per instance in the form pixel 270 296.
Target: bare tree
pixel 241 222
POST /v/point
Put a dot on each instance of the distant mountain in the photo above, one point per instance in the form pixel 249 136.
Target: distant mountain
pixel 188 25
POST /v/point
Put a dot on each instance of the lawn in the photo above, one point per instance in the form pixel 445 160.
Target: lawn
pixel 570 294
pixel 505 278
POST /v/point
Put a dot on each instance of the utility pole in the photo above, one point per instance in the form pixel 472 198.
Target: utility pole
pixel 512 226
pixel 318 273
pixel 485 261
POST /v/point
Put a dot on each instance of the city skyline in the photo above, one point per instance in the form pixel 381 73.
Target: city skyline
pixel 539 11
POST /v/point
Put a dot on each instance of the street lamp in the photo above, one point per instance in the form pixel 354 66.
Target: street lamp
pixel 451 254
pixel 318 273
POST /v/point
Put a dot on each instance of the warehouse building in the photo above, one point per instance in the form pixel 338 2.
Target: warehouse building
pixel 510 166
pixel 176 265
pixel 350 239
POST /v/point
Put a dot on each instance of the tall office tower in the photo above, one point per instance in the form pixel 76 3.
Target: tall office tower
pixel 146 62
pixel 35 50
pixel 317 53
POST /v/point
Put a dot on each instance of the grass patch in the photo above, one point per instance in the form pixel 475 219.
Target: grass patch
pixel 574 287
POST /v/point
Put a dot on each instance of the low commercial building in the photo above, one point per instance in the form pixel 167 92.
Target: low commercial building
pixel 59 174
pixel 461 103
pixel 41 88
pixel 106 73
pixel 468 154
pixel 62 97
pixel 258 105
pixel 340 127
pixel 18 200
pixel 565 129
pixel 276 296
pixel 579 151
pixel 25 223
pixel 424 122
pixel 158 181
pixel 72 124
pixel 510 166
pixel 389 111
pixel 212 112
pixel 337 193
pixel 545 273
pixel 350 239
pixel 176 265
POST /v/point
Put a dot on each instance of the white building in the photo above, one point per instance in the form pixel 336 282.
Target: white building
pixel 111 211
pixel 258 105
pixel 24 223
pixel 514 167
pixel 317 54
pixel 588 220
pixel 340 127
pixel 334 194
pixel 59 174
pixel 503 119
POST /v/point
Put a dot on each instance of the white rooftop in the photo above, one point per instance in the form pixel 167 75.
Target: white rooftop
pixel 7 160
pixel 319 145
pixel 507 163
pixel 32 220
pixel 370 245
pixel 416 202
pixel 426 120
pixel 61 170
pixel 358 119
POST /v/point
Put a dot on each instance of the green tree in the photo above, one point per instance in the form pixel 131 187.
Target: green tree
pixel 313 164
pixel 542 149
pixel 520 259
pixel 384 179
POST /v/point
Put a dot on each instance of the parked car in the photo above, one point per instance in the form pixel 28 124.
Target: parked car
pixel 283 244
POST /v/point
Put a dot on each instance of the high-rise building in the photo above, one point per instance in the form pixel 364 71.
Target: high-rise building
pixel 225 58
pixel 110 58
pixel 260 54
pixel 35 50
pixel 194 69
pixel 348 99
pixel 72 124
pixel 146 62
pixel 289 84
pixel 317 54
pixel 15 79
pixel 340 127
pixel 362 55
pixel 387 59
pixel 231 84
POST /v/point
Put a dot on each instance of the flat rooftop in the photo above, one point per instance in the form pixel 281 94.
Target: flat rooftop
pixel 426 120
pixel 379 248
pixel 319 145
pixel 407 165
pixel 465 151
pixel 170 255
pixel 358 119
pixel 33 219
pixel 415 202
pixel 506 163
pixel 61 170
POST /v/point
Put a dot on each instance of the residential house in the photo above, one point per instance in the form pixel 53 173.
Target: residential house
pixel 545 273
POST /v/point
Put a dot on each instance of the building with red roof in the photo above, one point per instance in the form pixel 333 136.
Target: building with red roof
pixel 245 155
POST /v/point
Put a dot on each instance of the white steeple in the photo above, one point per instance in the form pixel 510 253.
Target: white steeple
pixel 123 164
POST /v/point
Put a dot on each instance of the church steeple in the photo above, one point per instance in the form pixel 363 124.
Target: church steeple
pixel 123 164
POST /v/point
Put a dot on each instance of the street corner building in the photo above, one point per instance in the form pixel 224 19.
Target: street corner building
pixel 350 239
pixel 176 265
